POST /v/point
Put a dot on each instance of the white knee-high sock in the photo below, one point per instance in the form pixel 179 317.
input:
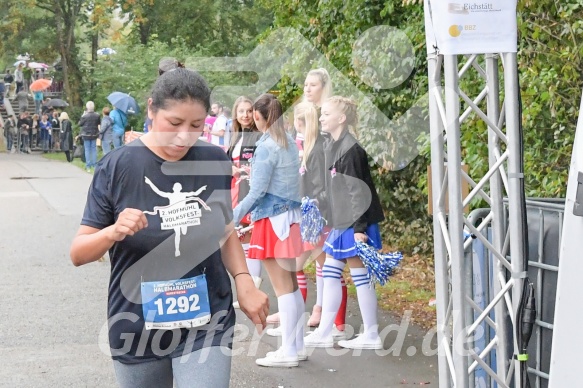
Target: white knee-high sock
pixel 253 265
pixel 300 321
pixel 332 272
pixel 288 316
pixel 367 301
pixel 319 284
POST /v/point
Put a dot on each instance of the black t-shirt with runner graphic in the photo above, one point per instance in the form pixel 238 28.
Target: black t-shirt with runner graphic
pixel 179 242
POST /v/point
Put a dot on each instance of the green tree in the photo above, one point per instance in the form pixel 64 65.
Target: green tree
pixel 222 27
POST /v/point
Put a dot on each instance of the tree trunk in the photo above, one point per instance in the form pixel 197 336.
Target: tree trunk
pixel 67 49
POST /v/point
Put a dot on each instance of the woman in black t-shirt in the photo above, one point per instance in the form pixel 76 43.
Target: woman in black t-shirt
pixel 161 206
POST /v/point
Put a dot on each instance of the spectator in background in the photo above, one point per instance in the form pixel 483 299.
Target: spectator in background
pixel 34 137
pixel 106 131
pixel 46 132
pixel 24 123
pixel 220 125
pixel 120 120
pixel 22 98
pixel 89 124
pixel 19 78
pixel 46 109
pixel 8 80
pixel 56 126
pixel 66 136
pixel 2 92
pixel 10 131
pixel 38 100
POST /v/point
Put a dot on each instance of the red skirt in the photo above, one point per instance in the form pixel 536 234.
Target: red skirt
pixel 235 200
pixel 265 244
pixel 320 243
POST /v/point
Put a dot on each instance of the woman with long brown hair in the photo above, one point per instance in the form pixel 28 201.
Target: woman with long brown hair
pixel 241 150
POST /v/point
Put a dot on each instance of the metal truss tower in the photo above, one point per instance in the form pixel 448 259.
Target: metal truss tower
pixel 459 318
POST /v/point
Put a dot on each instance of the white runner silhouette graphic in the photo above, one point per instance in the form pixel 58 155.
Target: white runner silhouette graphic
pixel 182 212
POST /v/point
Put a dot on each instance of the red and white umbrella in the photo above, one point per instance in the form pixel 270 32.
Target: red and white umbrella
pixel 37 65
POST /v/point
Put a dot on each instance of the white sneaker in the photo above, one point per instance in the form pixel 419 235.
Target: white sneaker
pixel 236 304
pixel 302 355
pixel 274 332
pixel 278 359
pixel 337 335
pixel 257 280
pixel 362 342
pixel 315 340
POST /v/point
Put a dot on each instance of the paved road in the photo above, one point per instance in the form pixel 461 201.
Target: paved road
pixel 52 313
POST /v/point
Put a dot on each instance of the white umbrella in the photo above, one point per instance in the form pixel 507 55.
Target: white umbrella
pixel 106 51
pixel 18 63
pixel 24 57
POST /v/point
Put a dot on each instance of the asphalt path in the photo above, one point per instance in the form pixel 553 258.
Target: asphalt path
pixel 53 315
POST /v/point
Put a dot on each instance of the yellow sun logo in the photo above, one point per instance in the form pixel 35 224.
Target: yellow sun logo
pixel 455 31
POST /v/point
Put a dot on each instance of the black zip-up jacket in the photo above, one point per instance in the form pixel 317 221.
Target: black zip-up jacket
pixel 89 124
pixel 352 197
pixel 250 137
pixel 313 179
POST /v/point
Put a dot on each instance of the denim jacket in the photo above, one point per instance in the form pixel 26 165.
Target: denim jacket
pixel 274 181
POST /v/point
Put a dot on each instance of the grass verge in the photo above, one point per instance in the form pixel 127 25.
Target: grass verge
pixel 60 156
pixel 410 289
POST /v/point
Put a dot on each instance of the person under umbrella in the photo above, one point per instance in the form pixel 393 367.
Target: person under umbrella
pixel 123 104
pixel 120 120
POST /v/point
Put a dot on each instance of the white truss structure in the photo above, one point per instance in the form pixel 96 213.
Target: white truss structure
pixel 453 274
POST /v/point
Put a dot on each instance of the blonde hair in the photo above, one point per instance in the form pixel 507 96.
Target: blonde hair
pixel 270 109
pixel 326 82
pixel 306 111
pixel 63 116
pixel 348 109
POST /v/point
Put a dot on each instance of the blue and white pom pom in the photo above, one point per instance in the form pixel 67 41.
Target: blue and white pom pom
pixel 312 222
pixel 380 266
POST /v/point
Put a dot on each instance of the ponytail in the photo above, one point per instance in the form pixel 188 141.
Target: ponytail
pixel 270 109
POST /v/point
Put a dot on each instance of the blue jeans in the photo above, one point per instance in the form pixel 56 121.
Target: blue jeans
pixel 205 368
pixel 90 152
pixel 37 106
pixel 9 141
pixel 117 140
pixel 107 142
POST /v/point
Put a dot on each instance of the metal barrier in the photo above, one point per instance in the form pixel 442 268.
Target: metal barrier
pixel 543 271
pixel 545 222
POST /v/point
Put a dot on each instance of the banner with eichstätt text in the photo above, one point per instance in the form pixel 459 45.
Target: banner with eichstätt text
pixel 473 27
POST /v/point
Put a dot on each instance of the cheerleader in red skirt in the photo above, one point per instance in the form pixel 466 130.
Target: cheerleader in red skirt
pixel 274 202
pixel 354 213
pixel 241 150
